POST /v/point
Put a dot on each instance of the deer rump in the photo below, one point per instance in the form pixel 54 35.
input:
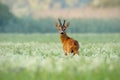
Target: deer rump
pixel 71 46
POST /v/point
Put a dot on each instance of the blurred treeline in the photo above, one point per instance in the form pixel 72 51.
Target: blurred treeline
pixel 31 7
pixel 9 23
pixel 45 4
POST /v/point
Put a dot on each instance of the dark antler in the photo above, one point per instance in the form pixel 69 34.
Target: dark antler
pixel 64 22
pixel 60 21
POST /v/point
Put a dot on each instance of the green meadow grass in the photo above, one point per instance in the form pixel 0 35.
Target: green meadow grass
pixel 40 57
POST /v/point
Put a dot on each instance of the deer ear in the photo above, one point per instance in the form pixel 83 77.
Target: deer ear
pixel 68 24
pixel 57 25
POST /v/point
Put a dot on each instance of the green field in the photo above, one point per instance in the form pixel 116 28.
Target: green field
pixel 40 57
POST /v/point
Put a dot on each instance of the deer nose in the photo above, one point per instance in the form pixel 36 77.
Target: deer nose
pixel 61 32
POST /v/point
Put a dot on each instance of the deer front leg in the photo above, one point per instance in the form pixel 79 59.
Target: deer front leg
pixel 69 50
pixel 65 52
pixel 64 49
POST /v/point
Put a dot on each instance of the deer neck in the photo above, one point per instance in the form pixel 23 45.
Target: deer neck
pixel 63 37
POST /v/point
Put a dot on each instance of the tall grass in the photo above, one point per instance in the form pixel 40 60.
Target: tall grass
pixel 40 57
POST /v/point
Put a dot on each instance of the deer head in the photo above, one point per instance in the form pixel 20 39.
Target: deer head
pixel 61 27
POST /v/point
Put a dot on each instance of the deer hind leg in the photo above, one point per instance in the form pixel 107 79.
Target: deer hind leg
pixel 75 52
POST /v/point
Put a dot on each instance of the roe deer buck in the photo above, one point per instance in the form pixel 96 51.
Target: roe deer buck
pixel 69 44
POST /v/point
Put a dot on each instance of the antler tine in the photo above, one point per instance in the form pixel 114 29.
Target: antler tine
pixel 64 22
pixel 60 21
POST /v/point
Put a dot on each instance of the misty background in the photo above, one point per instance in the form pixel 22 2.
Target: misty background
pixel 39 16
